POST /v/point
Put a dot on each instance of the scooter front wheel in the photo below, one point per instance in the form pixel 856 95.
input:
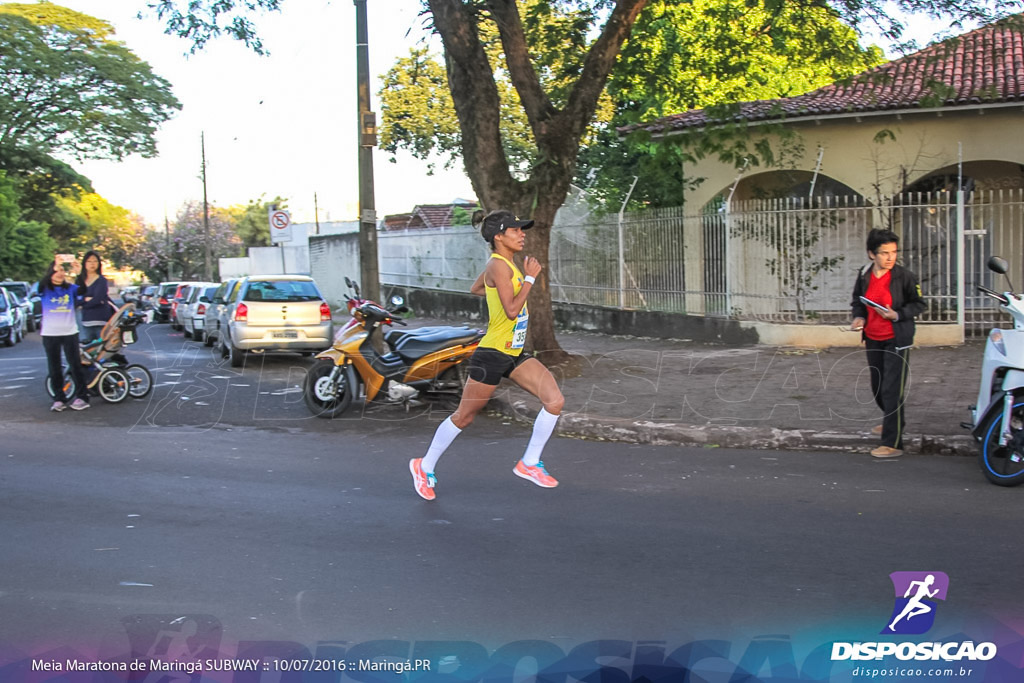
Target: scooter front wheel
pixel 327 393
pixel 1004 465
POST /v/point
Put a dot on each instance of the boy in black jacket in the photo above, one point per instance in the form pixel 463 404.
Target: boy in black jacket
pixel 888 332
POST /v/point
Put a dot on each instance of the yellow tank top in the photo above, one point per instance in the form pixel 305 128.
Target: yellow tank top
pixel 507 336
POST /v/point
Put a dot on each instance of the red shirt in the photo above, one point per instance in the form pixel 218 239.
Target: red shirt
pixel 876 327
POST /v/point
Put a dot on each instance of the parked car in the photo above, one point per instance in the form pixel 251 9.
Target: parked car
pixel 275 313
pixel 146 295
pixel 32 311
pixel 162 298
pixel 12 322
pixel 193 310
pixel 211 326
pixel 181 296
pixel 130 294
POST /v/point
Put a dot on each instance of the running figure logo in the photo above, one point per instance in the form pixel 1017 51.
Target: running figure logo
pixel 914 609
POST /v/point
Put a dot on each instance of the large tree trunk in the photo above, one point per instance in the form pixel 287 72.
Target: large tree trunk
pixel 557 132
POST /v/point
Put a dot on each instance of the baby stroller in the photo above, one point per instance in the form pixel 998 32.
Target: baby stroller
pixel 107 371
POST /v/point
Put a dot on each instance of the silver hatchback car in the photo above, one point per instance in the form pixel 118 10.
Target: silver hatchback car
pixel 275 313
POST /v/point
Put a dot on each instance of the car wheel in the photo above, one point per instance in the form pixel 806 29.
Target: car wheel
pixel 236 356
pixel 207 340
pixel 222 346
pixel 9 341
pixel 197 335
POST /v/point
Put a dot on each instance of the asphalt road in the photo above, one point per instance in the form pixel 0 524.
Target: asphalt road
pixel 216 512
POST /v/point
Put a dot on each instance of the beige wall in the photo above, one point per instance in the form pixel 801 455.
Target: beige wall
pixel 924 142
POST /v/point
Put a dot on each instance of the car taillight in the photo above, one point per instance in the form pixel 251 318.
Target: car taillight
pixel 201 310
pixel 325 311
pixel 242 313
pixel 163 301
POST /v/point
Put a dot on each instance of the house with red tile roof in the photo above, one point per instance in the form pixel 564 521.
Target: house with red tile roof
pixel 430 216
pixel 952 110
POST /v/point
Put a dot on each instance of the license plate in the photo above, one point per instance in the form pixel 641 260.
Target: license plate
pixel 286 334
pixel 128 337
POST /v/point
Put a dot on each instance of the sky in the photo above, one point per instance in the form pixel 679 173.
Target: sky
pixel 283 125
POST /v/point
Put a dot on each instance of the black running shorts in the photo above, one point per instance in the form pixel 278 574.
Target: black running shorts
pixel 488 366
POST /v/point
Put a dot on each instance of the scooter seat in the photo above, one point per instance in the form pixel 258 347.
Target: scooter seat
pixel 395 337
pixel 413 344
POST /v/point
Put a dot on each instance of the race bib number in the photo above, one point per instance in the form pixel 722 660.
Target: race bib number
pixel 519 333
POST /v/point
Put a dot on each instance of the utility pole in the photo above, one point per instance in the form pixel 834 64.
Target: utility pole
pixel 369 271
pixel 316 214
pixel 207 260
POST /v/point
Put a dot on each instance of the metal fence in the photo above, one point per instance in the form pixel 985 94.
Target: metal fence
pixel 776 260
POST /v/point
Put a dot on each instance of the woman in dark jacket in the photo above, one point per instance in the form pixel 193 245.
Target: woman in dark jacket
pixel 888 332
pixel 93 292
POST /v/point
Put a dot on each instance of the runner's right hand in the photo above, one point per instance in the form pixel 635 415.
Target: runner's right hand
pixel 531 266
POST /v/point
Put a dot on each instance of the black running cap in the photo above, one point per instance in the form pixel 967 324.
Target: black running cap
pixel 499 221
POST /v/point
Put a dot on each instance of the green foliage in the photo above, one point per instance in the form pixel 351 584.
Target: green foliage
pixel 25 247
pixel 111 230
pixel 418 114
pixel 188 245
pixel 252 225
pixel 711 54
pixel 66 86
pixel 197 22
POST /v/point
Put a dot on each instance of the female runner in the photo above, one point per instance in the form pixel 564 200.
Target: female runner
pixel 500 354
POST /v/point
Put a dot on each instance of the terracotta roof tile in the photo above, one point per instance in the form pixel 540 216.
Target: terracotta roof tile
pixel 984 66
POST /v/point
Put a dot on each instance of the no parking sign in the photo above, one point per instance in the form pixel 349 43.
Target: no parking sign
pixel 280 226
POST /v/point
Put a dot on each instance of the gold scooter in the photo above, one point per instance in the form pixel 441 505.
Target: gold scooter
pixel 424 363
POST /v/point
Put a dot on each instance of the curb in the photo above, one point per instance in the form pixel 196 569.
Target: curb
pixel 718 436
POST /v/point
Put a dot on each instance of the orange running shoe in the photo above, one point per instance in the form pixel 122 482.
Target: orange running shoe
pixel 422 481
pixel 537 474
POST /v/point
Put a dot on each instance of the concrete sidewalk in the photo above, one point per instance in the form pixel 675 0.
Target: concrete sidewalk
pixel 675 392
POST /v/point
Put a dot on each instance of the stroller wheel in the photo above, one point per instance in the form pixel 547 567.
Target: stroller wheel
pixel 113 385
pixel 140 381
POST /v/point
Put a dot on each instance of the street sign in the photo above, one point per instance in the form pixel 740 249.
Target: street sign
pixel 280 226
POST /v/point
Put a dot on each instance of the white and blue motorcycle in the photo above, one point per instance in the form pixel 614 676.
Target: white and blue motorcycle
pixel 998 415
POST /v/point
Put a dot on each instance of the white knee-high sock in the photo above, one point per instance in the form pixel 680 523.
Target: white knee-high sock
pixel 542 428
pixel 443 437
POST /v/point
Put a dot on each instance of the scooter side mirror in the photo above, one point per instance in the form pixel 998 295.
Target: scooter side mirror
pixel 348 283
pixel 998 265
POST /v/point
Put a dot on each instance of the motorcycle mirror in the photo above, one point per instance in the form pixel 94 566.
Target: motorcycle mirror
pixel 397 300
pixel 348 283
pixel 998 265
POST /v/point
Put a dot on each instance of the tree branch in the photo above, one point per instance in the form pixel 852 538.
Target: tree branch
pixel 535 101
pixel 475 95
pixel 582 102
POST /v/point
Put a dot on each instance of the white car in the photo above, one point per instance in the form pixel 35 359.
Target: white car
pixel 192 311
pixel 12 320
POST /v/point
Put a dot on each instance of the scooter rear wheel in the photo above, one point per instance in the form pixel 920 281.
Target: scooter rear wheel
pixel 325 396
pixel 1004 465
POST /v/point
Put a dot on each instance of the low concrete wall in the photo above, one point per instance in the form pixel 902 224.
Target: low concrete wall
pixel 439 304
pixel 434 303
pixel 332 258
pixel 830 336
